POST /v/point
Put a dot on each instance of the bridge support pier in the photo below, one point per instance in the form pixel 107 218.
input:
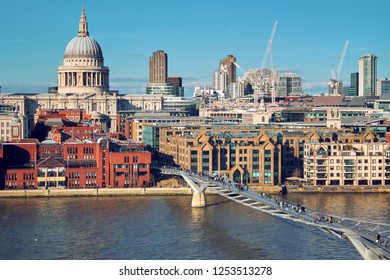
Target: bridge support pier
pixel 198 200
pixel 198 196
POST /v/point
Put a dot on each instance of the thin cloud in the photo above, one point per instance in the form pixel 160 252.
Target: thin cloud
pixel 128 79
pixel 314 85
pixel 27 88
pixel 190 79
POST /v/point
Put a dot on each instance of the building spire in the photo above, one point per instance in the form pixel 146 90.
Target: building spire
pixel 83 25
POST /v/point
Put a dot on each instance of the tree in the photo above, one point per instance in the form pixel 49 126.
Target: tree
pixel 297 173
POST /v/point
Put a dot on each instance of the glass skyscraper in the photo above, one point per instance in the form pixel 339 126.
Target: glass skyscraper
pixel 367 75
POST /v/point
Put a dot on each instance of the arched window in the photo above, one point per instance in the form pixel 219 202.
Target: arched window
pixel 387 153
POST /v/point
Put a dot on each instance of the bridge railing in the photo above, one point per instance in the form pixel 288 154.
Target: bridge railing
pixel 294 209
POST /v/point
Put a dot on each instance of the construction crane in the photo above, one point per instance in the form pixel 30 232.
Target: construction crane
pixel 268 53
pixel 335 75
pixel 335 85
pixel 239 67
pixel 259 84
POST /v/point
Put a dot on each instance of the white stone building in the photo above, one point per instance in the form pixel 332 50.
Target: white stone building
pixel 83 83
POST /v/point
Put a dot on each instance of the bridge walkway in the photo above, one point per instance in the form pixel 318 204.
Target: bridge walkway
pixel 371 239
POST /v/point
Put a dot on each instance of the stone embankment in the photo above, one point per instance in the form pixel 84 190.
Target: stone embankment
pixel 339 189
pixel 95 192
pixel 160 191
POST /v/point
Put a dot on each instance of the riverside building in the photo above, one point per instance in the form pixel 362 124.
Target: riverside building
pixel 356 164
pixel 95 163
pixel 242 157
pixel 258 155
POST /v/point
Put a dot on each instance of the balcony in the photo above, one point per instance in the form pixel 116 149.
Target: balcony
pixel 349 169
pixel 52 179
pixel 322 169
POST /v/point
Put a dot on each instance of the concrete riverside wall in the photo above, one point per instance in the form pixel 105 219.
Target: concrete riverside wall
pixel 185 191
pixel 340 189
pixel 95 192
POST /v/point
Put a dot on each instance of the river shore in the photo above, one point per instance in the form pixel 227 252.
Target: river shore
pixel 166 191
pixel 95 192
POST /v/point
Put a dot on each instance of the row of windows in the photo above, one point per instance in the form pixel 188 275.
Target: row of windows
pixel 74 175
pixel 2 124
pixel 88 150
pixel 11 176
pixel 359 175
pixel 74 183
pixel 28 176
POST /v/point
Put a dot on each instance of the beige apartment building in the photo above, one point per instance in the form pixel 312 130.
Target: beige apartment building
pixel 243 157
pixel 268 156
pixel 359 164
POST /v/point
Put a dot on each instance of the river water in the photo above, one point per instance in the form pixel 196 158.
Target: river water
pixel 167 228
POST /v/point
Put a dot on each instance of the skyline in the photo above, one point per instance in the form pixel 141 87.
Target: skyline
pixel 196 35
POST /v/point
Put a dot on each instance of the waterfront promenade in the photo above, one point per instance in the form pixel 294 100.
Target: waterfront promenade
pixel 180 190
pixel 96 192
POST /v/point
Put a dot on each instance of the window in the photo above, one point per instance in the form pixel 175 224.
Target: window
pixel 15 131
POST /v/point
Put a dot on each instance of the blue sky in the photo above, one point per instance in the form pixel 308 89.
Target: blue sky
pixel 195 34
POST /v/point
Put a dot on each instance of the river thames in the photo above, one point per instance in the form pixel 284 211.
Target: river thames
pixel 167 228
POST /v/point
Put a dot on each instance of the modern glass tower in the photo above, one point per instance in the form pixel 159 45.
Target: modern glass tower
pixel 367 75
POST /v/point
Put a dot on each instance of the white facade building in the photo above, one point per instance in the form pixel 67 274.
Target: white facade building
pixel 367 75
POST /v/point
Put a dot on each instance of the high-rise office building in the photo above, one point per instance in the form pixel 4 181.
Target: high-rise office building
pixel 159 82
pixel 230 68
pixel 158 67
pixel 289 84
pixel 354 87
pixel 225 75
pixel 367 75
pixel 383 87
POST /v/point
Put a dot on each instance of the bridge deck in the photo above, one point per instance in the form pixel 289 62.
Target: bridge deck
pixel 366 232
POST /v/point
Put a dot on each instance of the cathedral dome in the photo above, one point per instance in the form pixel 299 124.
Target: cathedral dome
pixel 83 46
pixel 83 70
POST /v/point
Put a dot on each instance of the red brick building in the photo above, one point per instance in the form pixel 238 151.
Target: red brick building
pixel 101 162
pixel 18 164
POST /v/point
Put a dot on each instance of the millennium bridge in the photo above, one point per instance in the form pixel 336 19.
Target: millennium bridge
pixel 371 239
